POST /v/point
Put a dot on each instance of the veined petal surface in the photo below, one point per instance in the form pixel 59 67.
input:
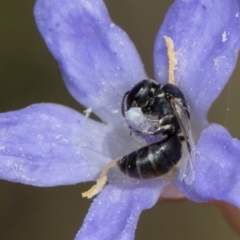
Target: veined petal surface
pixel 206 35
pixel 217 168
pixel 98 61
pixel 49 144
pixel 114 214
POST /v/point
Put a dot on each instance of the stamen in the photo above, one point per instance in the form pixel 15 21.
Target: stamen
pixel 101 181
pixel 171 59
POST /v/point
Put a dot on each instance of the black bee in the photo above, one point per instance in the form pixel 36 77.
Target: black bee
pixel 168 112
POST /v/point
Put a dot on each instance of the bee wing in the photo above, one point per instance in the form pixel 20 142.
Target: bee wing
pixel 187 168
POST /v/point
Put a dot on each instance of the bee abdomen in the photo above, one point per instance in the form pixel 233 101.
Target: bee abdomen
pixel 154 160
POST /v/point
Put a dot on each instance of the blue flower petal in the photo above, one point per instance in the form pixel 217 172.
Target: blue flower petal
pixel 206 35
pixel 98 61
pixel 114 213
pixel 217 168
pixel 48 144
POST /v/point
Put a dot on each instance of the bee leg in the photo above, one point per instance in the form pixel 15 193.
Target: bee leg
pixel 157 131
pixel 168 128
pixel 163 121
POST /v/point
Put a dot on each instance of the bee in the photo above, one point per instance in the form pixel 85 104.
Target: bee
pixel 168 112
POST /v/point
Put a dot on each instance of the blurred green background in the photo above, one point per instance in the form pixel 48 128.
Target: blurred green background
pixel 29 74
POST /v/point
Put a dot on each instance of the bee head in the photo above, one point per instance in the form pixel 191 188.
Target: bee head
pixel 141 95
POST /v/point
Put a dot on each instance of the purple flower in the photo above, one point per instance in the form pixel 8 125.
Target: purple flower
pixel 49 144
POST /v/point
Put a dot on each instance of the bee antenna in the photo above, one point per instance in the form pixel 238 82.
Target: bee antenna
pixel 123 101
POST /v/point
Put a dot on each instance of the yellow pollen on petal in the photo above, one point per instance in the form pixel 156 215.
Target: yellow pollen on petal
pixel 101 181
pixel 171 59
